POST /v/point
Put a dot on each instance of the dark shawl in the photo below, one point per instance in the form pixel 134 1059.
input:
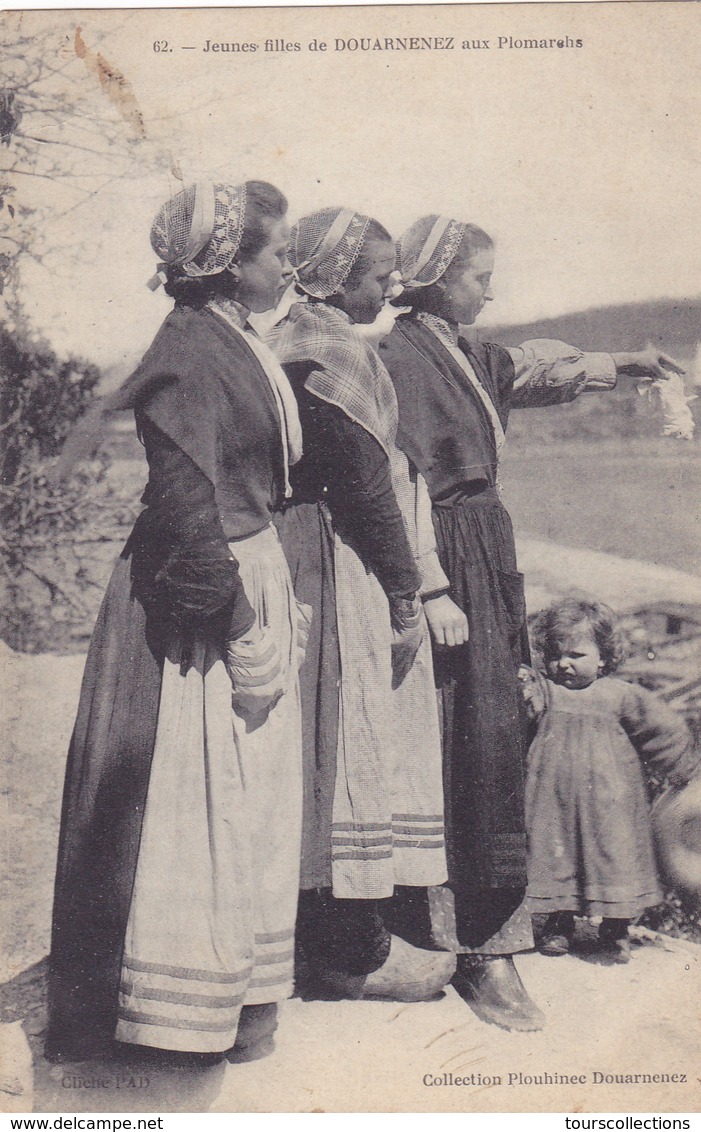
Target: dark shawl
pixel 443 427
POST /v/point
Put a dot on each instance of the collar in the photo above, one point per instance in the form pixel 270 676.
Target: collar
pixel 443 330
pixel 231 311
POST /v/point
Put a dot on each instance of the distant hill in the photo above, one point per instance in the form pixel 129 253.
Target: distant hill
pixel 674 324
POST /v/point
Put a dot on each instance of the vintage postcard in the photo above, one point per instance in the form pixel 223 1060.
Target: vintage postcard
pixel 521 182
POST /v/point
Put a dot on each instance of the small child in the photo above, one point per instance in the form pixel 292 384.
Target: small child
pixel 590 845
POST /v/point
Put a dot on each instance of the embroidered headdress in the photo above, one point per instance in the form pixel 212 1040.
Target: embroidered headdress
pixel 199 230
pixel 427 249
pixel 323 248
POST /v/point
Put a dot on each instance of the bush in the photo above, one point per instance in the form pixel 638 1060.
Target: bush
pixel 40 398
pixel 42 575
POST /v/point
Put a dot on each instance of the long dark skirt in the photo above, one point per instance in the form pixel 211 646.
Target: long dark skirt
pixel 306 534
pixel 484 740
pixel 105 790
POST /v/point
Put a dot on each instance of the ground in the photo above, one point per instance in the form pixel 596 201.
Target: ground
pixel 356 1056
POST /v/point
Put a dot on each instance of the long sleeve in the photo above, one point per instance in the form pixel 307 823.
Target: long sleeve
pixel 433 577
pixel 352 475
pixel 198 578
pixel 549 372
pixel 659 735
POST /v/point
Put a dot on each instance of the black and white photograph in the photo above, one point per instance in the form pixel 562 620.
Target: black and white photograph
pixel 350 572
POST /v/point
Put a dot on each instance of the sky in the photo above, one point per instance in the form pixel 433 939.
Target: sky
pixel 582 163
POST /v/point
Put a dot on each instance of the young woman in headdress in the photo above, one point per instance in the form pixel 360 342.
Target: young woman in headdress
pixel 454 401
pixel 177 881
pixel 358 537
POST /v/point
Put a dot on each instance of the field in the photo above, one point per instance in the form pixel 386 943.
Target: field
pixel 635 498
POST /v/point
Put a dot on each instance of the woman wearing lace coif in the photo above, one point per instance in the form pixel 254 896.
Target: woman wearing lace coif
pixel 360 544
pixel 177 882
pixel 454 402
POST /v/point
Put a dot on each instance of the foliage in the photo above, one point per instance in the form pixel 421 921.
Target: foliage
pixel 46 531
pixel 40 397
pixel 70 130
pixel 677 916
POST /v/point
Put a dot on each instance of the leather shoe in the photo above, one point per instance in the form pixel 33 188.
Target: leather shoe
pixel 491 986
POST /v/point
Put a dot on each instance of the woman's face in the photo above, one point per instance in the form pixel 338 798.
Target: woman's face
pixel 467 288
pixel 363 300
pixel 263 280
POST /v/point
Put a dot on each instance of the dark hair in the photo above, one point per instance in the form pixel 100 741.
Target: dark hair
pixel 430 299
pixel 559 620
pixel 374 231
pixel 264 205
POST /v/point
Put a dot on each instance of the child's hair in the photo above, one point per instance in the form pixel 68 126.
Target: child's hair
pixel 562 617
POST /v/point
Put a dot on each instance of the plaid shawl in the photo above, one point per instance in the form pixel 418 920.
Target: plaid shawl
pixel 349 375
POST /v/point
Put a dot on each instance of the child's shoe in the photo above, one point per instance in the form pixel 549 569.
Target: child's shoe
pixel 613 934
pixel 558 934
pixel 622 951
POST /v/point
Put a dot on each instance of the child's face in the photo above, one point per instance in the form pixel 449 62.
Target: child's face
pixel 575 661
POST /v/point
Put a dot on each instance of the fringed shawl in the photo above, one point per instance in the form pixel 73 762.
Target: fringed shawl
pixel 349 373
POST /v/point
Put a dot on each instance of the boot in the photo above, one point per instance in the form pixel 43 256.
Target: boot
pixel 491 986
pixel 409 974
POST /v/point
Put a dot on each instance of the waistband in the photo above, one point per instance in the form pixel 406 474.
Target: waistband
pixel 469 496
pixel 262 544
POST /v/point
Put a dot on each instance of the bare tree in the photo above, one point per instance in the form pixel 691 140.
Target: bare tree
pixel 70 127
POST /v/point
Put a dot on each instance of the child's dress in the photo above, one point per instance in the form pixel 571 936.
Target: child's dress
pixel 590 844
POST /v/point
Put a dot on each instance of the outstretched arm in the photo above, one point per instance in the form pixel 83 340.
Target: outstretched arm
pixel 649 362
pixel 550 372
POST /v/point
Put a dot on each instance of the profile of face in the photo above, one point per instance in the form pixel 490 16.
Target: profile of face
pixel 263 279
pixel 575 660
pixel 363 298
pixel 466 287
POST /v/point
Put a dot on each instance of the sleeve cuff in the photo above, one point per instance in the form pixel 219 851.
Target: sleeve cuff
pixel 600 371
pixel 433 578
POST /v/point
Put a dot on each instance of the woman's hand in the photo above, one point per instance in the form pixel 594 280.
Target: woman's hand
pixel 533 692
pixel 257 673
pixel 447 622
pixel 408 630
pixel 650 362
